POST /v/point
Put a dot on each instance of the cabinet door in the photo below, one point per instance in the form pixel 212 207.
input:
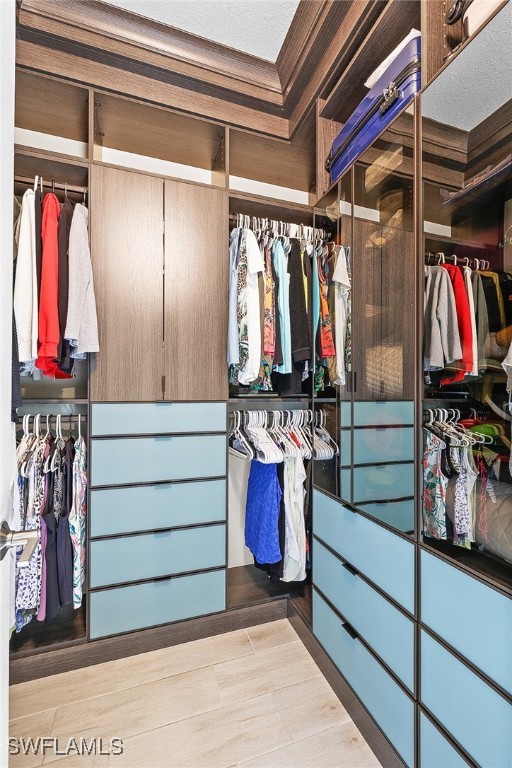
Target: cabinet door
pixel 196 292
pixel 127 257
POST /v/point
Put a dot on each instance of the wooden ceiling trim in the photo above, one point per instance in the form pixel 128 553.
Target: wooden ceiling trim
pixel 134 65
pixel 107 28
pixel 303 29
pixel 351 23
pixel 114 80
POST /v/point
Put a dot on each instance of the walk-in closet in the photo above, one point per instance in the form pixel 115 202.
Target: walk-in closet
pixel 263 359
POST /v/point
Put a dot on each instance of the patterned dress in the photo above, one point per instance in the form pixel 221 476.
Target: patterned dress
pixel 28 578
pixel 434 489
pixel 241 314
pixel 78 519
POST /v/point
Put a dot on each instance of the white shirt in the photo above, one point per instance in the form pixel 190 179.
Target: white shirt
pixel 294 562
pixel 341 288
pixel 255 264
pixel 26 303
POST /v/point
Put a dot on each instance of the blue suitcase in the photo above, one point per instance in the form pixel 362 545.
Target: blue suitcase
pixel 383 102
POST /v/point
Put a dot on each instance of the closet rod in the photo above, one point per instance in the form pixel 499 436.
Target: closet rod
pixel 321 232
pixel 51 184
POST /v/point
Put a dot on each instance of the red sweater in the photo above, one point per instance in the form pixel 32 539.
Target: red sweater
pixel 464 323
pixel 49 329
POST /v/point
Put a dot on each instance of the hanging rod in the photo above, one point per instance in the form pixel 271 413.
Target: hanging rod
pixel 284 227
pixel 52 184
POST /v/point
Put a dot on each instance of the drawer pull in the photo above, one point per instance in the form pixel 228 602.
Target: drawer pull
pixel 350 631
pixel 161 580
pixel 350 569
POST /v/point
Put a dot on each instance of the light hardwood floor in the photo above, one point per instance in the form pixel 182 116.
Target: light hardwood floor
pixel 252 698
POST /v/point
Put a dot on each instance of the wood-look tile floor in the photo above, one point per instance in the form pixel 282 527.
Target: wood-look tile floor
pixel 252 698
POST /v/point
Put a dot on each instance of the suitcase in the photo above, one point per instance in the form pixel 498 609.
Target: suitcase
pixel 383 102
pixel 474 13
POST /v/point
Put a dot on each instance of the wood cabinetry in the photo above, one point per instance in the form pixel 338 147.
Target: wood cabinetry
pixel 127 256
pixel 161 295
pixel 383 326
pixel 196 292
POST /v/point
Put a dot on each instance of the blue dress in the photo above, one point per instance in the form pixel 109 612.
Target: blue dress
pixel 262 513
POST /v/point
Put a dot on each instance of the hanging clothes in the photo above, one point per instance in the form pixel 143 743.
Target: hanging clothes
pixel 481 319
pixel 51 499
pixel 65 361
pixel 249 299
pixel 78 519
pixel 280 259
pixel 299 322
pixel 442 345
pixel 327 348
pixel 435 483
pixel 469 290
pixel 262 513
pixel 235 242
pixel 48 339
pixel 81 324
pixel 464 323
pixel 25 285
pixel 294 566
pixel 342 313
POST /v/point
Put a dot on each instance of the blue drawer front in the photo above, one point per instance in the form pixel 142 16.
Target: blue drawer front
pixel 475 619
pixel 156 418
pixel 381 413
pixel 150 555
pixel 386 702
pixel 113 611
pixel 149 507
pixel 386 559
pixel 477 717
pixel 150 459
pixel 399 514
pixel 384 481
pixel 435 750
pixel 345 414
pixel 346 484
pixel 389 632
pixel 374 446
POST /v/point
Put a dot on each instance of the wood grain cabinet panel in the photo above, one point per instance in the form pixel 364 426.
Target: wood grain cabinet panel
pixel 127 258
pixel 382 326
pixel 196 292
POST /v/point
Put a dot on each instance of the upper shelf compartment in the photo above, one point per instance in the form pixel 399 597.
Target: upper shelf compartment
pixel 51 115
pixel 157 140
pixel 271 167
pixel 467 140
pixel 394 23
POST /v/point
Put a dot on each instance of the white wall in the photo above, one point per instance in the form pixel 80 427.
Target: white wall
pixel 7 62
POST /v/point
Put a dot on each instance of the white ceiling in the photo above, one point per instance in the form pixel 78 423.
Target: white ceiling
pixel 478 82
pixel 258 27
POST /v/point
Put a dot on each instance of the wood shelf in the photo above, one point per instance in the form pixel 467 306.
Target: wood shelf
pixel 29 163
pixel 258 205
pixel 271 161
pixel 51 106
pixel 142 129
